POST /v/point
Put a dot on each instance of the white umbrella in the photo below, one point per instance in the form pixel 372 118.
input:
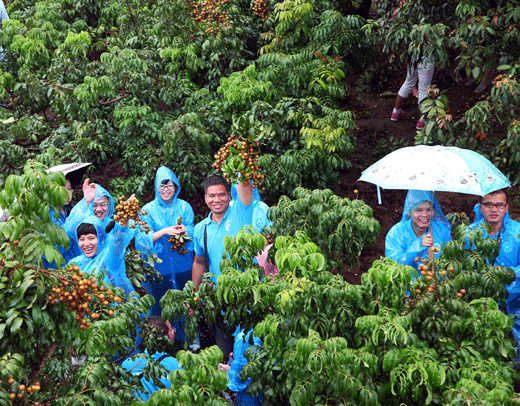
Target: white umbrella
pixel 436 168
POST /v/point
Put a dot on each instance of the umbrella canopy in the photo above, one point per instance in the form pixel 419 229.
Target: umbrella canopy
pixel 74 171
pixel 436 168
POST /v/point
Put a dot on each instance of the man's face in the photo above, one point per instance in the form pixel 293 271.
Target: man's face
pixel 88 243
pixel 101 207
pixel 217 198
pixel 421 215
pixel 68 186
pixel 494 208
pixel 166 191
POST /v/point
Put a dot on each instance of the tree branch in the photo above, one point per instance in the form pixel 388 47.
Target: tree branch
pixel 114 101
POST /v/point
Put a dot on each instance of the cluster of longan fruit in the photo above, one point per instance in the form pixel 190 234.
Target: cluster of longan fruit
pixel 22 388
pixel 78 295
pixel 209 11
pixel 244 150
pixel 261 9
pixel 179 241
pixel 130 210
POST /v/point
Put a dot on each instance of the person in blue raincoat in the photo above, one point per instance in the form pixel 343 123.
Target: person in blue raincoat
pixel 135 365
pixel 161 216
pixel 421 227
pixel 234 369
pixel 97 255
pixel 96 201
pixel 493 210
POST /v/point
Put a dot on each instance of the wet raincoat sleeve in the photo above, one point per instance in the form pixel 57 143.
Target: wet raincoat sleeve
pixel 235 383
pixel 402 246
pixel 78 213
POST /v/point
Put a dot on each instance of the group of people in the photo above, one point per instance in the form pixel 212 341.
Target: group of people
pixel 423 225
pixel 98 242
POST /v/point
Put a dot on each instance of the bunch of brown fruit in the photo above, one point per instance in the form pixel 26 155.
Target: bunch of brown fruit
pixel 268 234
pixel 83 295
pixel 238 156
pixel 130 210
pixel 179 241
pixel 210 12
pixel 261 9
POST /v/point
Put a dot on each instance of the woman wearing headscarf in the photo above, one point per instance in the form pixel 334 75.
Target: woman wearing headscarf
pixel 162 215
pixel 97 255
pixel 422 226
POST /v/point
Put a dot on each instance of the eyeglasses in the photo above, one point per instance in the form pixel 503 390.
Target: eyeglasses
pixel 168 186
pixel 100 205
pixel 489 205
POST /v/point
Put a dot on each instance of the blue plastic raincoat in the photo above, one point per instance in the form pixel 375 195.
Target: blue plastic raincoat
pixel 402 245
pixel 73 249
pixel 82 210
pixel 509 257
pixel 136 366
pixel 260 209
pixel 175 268
pixel 235 383
pixel 110 257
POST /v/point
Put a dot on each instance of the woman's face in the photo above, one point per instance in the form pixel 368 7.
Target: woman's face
pixel 422 214
pixel 88 243
pixel 166 191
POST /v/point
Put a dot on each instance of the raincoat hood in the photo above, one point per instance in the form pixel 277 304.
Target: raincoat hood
pixel 163 173
pixel 100 230
pixel 415 198
pixel 100 192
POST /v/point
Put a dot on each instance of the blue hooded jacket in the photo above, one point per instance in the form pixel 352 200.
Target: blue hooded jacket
pixel 82 210
pixel 509 257
pixel 109 257
pixel 402 245
pixel 159 215
pixel 235 383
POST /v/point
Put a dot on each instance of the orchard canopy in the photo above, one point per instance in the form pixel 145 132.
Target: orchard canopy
pixel 163 82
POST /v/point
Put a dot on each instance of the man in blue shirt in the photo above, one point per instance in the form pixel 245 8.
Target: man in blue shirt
pixel 493 211
pixel 222 220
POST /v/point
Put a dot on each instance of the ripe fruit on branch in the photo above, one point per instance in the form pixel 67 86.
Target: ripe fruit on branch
pixel 79 294
pixel 209 14
pixel 179 241
pixel 129 210
pixel 261 9
pixel 268 234
pixel 238 156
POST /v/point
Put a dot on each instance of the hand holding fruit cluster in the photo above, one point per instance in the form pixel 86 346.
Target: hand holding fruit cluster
pixel 238 156
pixel 78 295
pixel 130 210
pixel 180 240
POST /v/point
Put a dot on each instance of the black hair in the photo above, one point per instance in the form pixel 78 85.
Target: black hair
pixel 155 322
pixel 504 191
pixel 166 181
pixel 85 228
pixel 215 180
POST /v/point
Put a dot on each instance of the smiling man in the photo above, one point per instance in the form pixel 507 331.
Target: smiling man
pixel 493 210
pixel 222 220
